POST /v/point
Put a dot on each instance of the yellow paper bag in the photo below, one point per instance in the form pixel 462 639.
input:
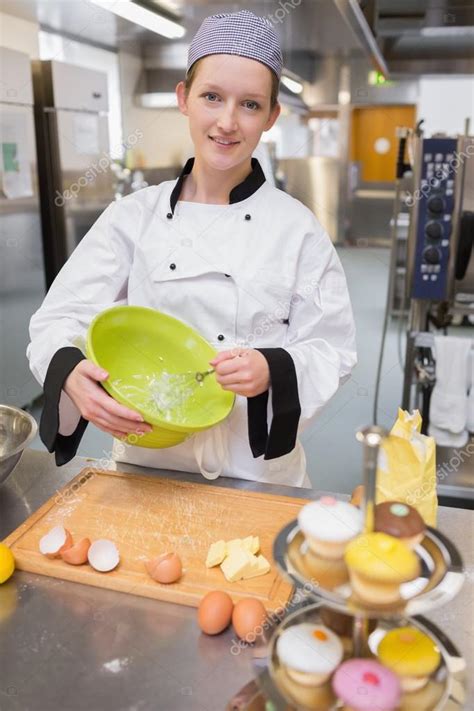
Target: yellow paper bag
pixel 407 467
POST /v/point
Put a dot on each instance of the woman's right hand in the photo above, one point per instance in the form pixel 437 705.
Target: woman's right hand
pixel 96 406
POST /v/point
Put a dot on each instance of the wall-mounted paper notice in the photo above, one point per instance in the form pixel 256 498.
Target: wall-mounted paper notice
pixel 14 164
pixel 86 133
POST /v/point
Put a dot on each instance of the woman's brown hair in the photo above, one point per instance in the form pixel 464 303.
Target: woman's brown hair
pixel 191 75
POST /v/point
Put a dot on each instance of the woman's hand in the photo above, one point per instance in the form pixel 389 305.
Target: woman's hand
pixel 242 371
pixel 96 406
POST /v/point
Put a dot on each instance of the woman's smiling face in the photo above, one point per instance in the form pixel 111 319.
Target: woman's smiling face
pixel 228 106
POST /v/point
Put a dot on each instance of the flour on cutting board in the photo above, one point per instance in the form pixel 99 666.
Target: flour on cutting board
pixel 63 512
pixel 144 526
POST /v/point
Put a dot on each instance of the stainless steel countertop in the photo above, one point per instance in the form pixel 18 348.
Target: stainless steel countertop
pixel 74 647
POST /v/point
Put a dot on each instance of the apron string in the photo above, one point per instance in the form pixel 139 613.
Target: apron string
pixel 218 440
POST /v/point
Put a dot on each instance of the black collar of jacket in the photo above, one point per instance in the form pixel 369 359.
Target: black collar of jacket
pixel 243 190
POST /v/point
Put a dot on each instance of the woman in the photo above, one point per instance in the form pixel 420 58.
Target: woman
pixel 245 264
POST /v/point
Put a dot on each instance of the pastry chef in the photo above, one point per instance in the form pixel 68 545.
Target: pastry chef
pixel 220 248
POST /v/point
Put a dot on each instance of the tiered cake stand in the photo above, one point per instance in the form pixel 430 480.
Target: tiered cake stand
pixel 325 589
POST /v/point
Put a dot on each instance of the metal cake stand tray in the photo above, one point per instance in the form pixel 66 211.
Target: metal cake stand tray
pixel 445 688
pixel 440 579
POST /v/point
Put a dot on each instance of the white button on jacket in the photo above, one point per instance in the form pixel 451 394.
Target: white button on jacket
pixel 259 272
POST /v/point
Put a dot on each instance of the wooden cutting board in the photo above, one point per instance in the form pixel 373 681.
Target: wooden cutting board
pixel 146 516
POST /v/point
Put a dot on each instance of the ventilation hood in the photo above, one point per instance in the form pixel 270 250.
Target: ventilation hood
pixel 309 30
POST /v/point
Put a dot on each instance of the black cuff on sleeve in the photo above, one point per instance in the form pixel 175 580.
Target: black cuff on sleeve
pixel 286 408
pixel 62 363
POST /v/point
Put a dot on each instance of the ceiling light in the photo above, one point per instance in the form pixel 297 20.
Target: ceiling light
pixel 344 97
pixel 295 86
pixel 159 100
pixel 141 16
pixel 459 31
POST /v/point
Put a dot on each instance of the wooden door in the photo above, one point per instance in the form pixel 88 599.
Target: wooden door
pixel 373 141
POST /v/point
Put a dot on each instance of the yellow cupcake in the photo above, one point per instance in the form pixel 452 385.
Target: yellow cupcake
pixel 378 564
pixel 411 654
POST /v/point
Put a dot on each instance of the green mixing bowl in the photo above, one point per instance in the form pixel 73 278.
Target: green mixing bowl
pixel 152 359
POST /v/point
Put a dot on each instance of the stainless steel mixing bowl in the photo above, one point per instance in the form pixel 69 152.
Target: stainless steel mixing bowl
pixel 17 430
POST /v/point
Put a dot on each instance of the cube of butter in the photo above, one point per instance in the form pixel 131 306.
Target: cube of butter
pixel 250 567
pixel 216 554
pixel 247 543
pixel 251 543
pixel 260 567
pixel 237 562
pixel 233 544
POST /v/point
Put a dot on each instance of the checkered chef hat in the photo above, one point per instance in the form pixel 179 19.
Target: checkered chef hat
pixel 241 33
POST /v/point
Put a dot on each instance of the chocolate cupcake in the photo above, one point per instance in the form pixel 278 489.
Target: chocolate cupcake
pixel 338 622
pixel 343 626
pixel 401 521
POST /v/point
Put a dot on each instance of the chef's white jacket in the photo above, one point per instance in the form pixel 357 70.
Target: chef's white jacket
pixel 259 272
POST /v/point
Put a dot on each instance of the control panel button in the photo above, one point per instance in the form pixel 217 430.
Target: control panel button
pixel 435 204
pixel 432 255
pixel 434 230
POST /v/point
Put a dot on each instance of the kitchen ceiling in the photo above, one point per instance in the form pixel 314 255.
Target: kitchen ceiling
pixel 412 37
pixel 313 25
pixel 78 19
pixel 425 36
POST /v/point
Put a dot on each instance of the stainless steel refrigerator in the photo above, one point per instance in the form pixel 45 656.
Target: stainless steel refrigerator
pixel 76 181
pixel 22 272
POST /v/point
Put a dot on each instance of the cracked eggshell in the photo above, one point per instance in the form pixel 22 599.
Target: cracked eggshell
pixel 103 555
pixel 166 568
pixel 77 555
pixel 55 542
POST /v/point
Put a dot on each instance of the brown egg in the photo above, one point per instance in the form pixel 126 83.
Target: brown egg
pixel 215 612
pixel 77 554
pixel 248 617
pixel 166 568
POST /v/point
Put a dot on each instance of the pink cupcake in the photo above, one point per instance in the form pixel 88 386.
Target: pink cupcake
pixel 366 685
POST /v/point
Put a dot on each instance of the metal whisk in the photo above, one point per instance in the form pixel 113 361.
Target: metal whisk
pixel 200 376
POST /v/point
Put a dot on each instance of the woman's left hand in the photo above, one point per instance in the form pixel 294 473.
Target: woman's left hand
pixel 242 371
